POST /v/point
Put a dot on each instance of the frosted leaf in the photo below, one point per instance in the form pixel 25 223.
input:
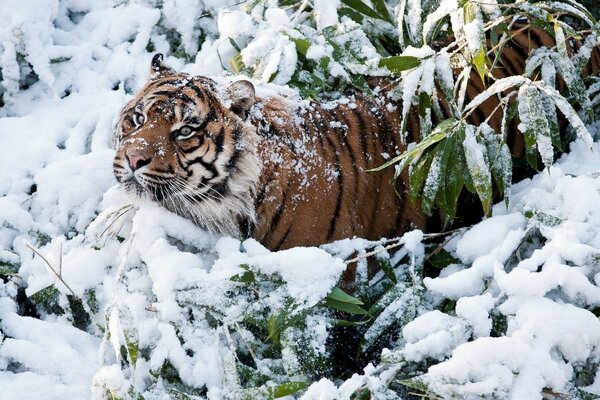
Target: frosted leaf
pixel 445 8
pixel 478 166
pixel 497 87
pixel 570 114
pixel 326 13
pixel 413 20
pixel 434 335
pixel 544 59
pixel 461 86
pixel 399 10
pixel 585 51
pixel 499 157
pixel 432 182
pixel 420 77
pixel 567 69
pixel 474 33
pixel 561 6
pixel 534 123
pixel 401 307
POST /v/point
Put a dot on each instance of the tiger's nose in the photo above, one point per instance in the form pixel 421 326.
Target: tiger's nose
pixel 136 161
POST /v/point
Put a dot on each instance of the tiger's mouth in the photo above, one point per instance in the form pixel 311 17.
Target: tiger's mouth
pixel 132 185
pixel 145 188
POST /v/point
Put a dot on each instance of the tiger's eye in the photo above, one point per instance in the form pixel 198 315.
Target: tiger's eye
pixel 138 119
pixel 185 132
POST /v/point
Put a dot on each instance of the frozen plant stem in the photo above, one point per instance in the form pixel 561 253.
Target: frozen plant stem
pixel 57 273
pixel 398 243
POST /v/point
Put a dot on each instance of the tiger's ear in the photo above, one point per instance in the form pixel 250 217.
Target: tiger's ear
pixel 242 97
pixel 158 67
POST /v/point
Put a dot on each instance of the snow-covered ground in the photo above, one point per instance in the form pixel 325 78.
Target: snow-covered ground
pixel 530 272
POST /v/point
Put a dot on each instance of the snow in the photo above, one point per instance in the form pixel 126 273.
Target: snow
pixel 160 292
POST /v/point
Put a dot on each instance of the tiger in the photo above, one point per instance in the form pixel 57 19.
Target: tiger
pixel 283 172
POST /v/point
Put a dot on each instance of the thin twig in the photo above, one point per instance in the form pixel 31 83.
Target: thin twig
pixel 119 215
pixel 59 273
pixel 398 243
pixel 372 253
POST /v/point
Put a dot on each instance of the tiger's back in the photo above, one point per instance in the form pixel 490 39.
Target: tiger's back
pixel 315 186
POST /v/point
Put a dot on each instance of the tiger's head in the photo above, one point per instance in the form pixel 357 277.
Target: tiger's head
pixel 186 146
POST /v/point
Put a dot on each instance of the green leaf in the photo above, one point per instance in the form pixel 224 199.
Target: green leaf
pixel 287 389
pixel 543 218
pixel 443 129
pixel 235 45
pixel 536 126
pixel 387 269
pixel 275 325
pixel 352 14
pixel 500 159
pixel 281 320
pixel 478 168
pixel 345 307
pixel 341 296
pixel 415 384
pixel 398 64
pixel 479 58
pixel 302 45
pixel 44 295
pixel 361 394
pixel 381 8
pixel 244 277
pixel 237 65
pixel 442 258
pixel 132 348
pixel 432 182
pixel 447 203
pixel 362 8
pixel 7 269
pixel 417 175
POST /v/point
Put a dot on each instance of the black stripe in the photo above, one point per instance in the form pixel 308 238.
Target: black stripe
pixel 167 93
pixel 185 98
pixel 199 92
pixel 283 239
pixel 190 150
pixel 219 140
pixel 348 146
pixel 210 167
pixel 237 152
pixel 279 211
pixel 340 181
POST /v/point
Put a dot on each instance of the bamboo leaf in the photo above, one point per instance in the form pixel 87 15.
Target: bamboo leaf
pixel 476 37
pixel 432 182
pixel 408 156
pixel 302 45
pixel 345 307
pixel 535 126
pixel 398 64
pixel 442 258
pixel 362 8
pixel 417 175
pixel 287 389
pixel 479 169
pixel 381 8
pixel 341 296
pixel 451 178
pixel 237 65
